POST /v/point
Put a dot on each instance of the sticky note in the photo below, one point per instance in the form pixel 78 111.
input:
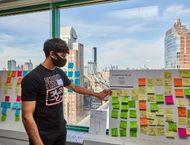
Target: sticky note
pixel 17 112
pixel 115 100
pixel 159 82
pixel 188 131
pixel 150 90
pixel 124 100
pixel 116 106
pixel 168 82
pixel 152 122
pixel 186 82
pixel 25 73
pixel 179 93
pixel 18 99
pixel 7 98
pixel 4 111
pixel 17 118
pixel 182 112
pixel 150 82
pixel 172 126
pixel 70 65
pixel 132 104
pixel 182 102
pixel 143 129
pixel 124 115
pixel 77 74
pixel 132 113
pixel 187 92
pixel 177 82
pixel 19 81
pixel 168 110
pixel 142 82
pixel 114 132
pixel 167 75
pixel 142 105
pixel 13 74
pixel 151 98
pixel 160 131
pixel 151 131
pixel 115 93
pixel 133 133
pixel 8 105
pixel 19 73
pixel 170 134
pixel 133 125
pixel 142 97
pixel 77 82
pixel 142 90
pixel 169 100
pixel 114 114
pixel 125 92
pixel 182 120
pixel 169 117
pixel 185 73
pixel 9 73
pixel 123 132
pixel 151 115
pixel 182 132
pixel 153 107
pixel 159 98
pixel 160 121
pixel 3 104
pixel 124 107
pixel 123 124
pixel 8 80
pixel 143 121
pixel 70 74
pixel 3 117
pixel 168 90
pixel 142 113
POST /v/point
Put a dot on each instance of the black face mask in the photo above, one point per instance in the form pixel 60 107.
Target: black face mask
pixel 59 62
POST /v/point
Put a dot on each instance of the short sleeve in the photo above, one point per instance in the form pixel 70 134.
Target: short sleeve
pixel 29 89
pixel 66 80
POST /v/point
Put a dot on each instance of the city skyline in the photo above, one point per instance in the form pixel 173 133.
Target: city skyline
pixel 128 34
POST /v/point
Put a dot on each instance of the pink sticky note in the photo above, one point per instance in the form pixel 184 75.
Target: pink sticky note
pixel 182 132
pixel 19 73
pixel 18 99
pixel 7 98
pixel 169 99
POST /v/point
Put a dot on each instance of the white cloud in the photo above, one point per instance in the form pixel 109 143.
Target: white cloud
pixel 176 10
pixel 132 53
pixel 136 13
pixel 6 38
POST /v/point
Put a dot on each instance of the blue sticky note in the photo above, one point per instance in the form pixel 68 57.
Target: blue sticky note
pixel 19 106
pixel 16 105
pixel 70 91
pixel 70 65
pixel 4 111
pixel 77 73
pixel 25 73
pixel 70 74
pixel 77 81
pixel 17 113
pixel 3 104
pixel 8 105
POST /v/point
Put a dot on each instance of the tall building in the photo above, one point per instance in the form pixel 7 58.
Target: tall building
pixel 28 66
pixel 177 46
pixel 73 102
pixel 11 64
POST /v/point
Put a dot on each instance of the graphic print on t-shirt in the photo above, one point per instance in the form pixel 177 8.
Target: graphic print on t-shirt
pixel 54 90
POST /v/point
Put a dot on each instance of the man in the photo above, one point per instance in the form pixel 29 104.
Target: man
pixel 42 95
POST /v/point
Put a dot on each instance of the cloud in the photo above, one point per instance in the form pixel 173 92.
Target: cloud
pixel 136 13
pixel 6 38
pixel 176 10
pixel 133 53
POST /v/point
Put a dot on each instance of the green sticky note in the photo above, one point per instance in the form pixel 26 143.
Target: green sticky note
pixel 133 133
pixel 123 124
pixel 3 117
pixel 17 118
pixel 188 113
pixel 153 107
pixel 116 106
pixel 172 126
pixel 187 92
pixel 124 107
pixel 124 114
pixel 125 100
pixel 160 98
pixel 114 132
pixel 115 100
pixel 123 132
pixel 132 113
pixel 133 125
pixel 132 104
pixel 114 114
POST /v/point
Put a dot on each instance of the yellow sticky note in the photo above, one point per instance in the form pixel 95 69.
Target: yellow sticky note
pixel 151 98
pixel 167 75
pixel 134 94
pixel 144 129
pixel 170 134
pixel 159 82
pixel 160 121
pixel 182 102
pixel 185 73
pixel 153 122
pixel 142 113
pixel 160 131
pixel 150 82
pixel 125 92
pixel 142 97
pixel 115 92
pixel 168 111
pixel 150 90
pixel 182 121
pixel 151 115
pixel 168 90
pixel 186 82
pixel 152 131
pixel 142 90
pixel 169 117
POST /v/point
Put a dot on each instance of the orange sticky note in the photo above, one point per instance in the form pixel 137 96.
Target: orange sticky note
pixel 182 112
pixel 179 93
pixel 142 81
pixel 8 80
pixel 13 74
pixel 143 121
pixel 142 105
pixel 19 81
pixel 177 82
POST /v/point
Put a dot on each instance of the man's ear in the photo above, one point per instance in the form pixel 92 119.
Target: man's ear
pixel 52 55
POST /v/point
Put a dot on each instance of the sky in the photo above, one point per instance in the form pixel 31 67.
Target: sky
pixel 129 34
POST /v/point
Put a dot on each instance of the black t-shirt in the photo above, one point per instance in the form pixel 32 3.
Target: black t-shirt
pixel 46 87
